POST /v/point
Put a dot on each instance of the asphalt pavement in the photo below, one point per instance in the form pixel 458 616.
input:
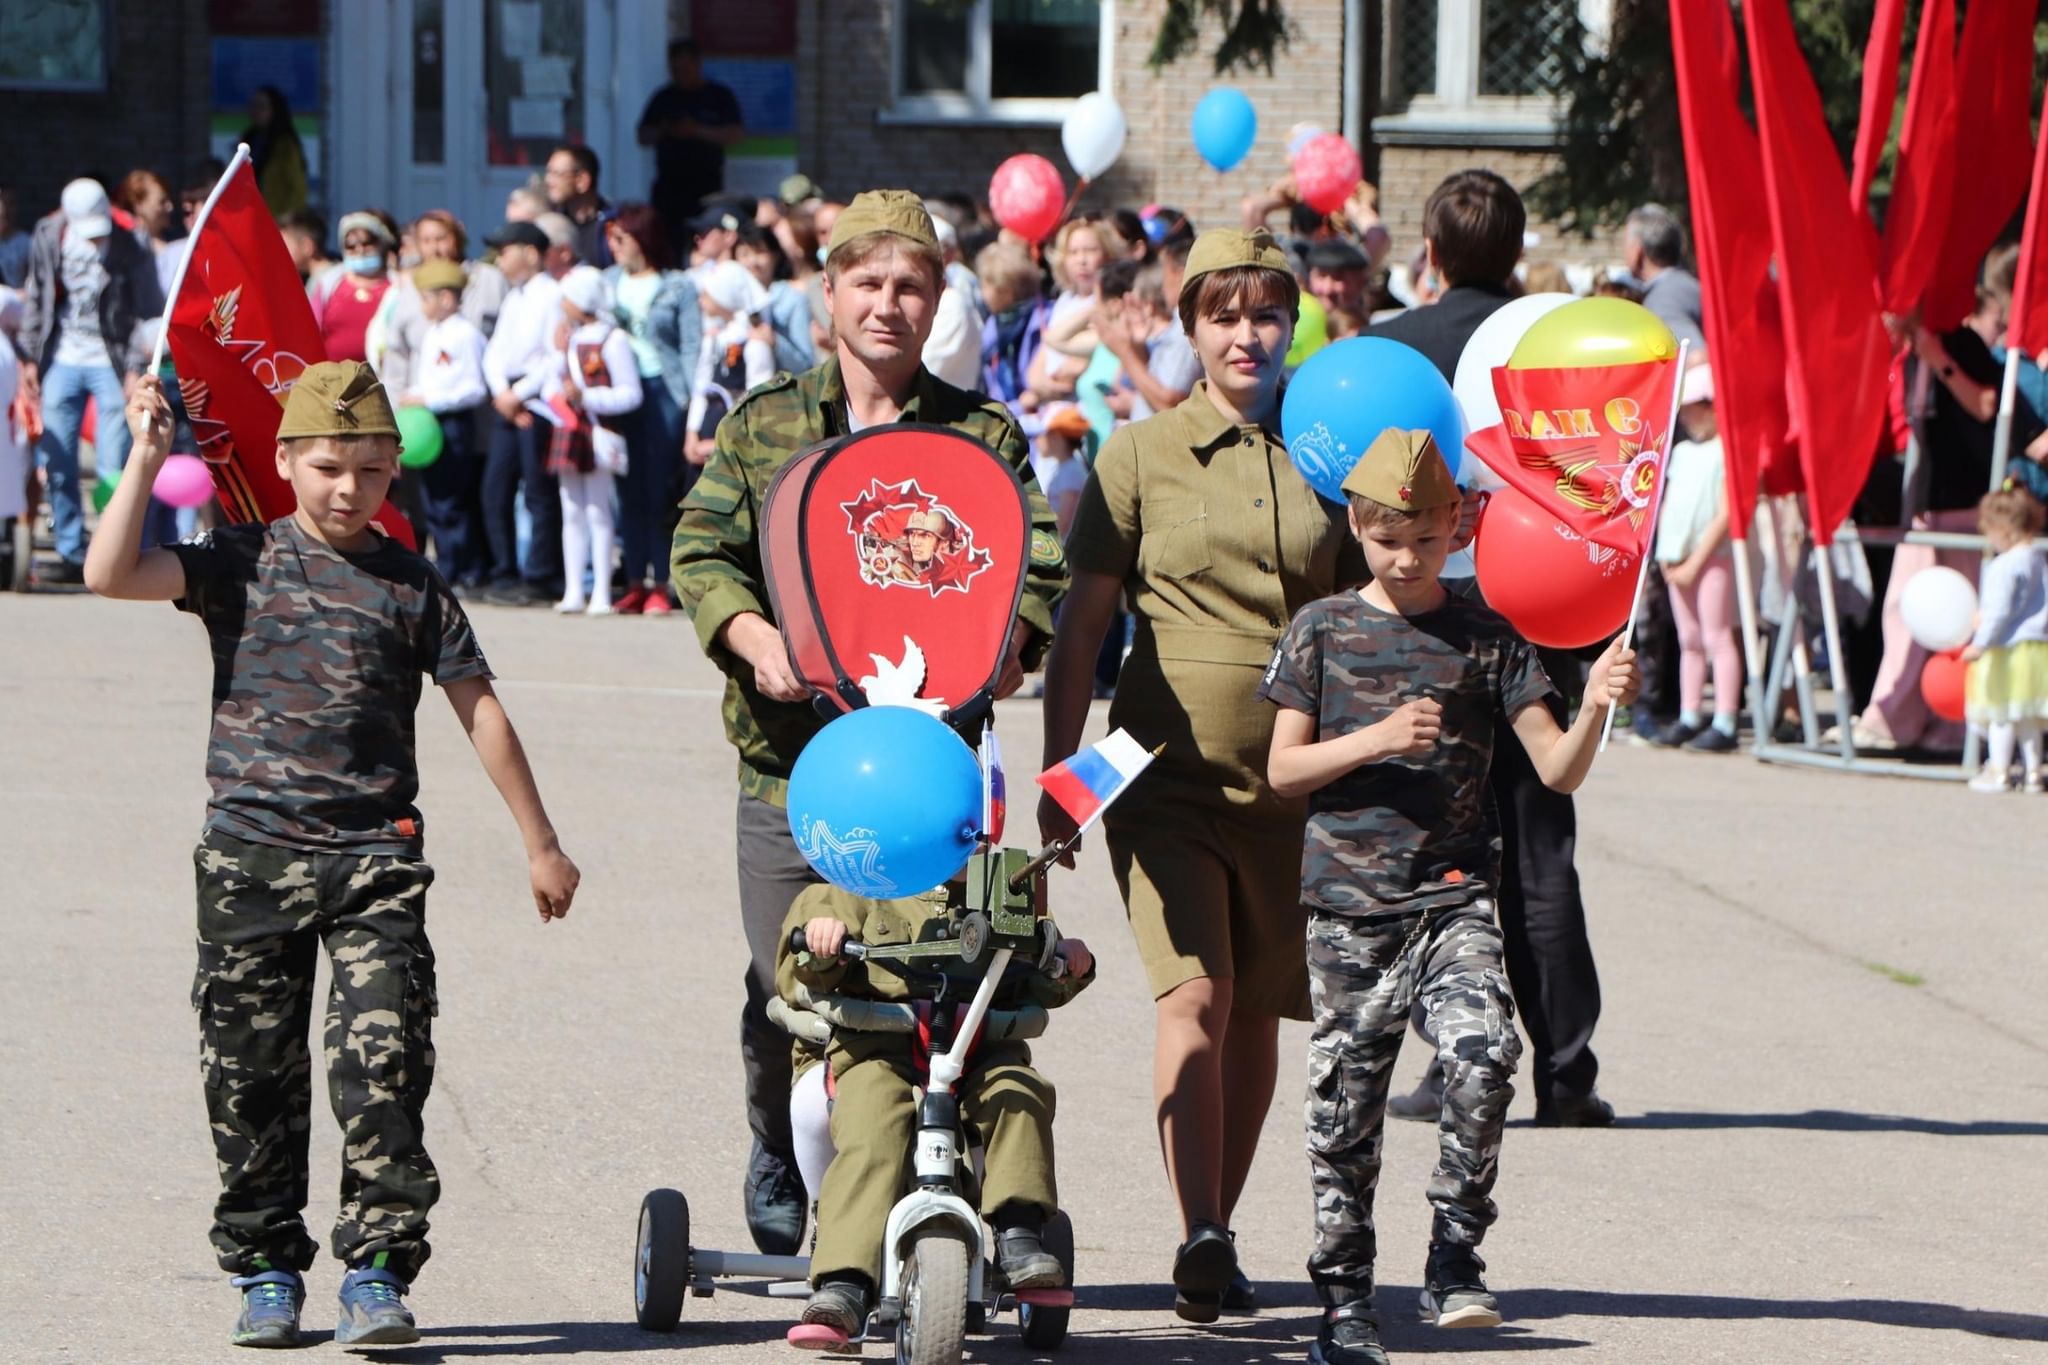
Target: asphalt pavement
pixel 1826 1030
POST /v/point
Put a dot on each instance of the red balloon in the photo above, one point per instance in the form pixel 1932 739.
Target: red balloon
pixel 1941 684
pixel 1028 196
pixel 1554 586
pixel 1326 171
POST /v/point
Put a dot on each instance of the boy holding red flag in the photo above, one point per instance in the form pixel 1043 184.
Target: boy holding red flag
pixel 1388 696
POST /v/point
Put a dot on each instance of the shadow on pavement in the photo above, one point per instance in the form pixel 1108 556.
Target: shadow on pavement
pixel 540 1339
pixel 1281 1332
pixel 1836 1121
pixel 1525 1304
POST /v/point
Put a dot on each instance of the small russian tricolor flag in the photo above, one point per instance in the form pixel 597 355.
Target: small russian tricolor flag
pixel 993 794
pixel 1085 784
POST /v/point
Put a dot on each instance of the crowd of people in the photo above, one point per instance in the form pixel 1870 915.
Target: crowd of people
pixel 610 379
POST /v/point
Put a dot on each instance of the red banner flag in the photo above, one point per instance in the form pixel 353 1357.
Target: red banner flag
pixel 1745 343
pixel 1994 91
pixel 1587 443
pixel 1880 93
pixel 241 332
pixel 1827 281
pixel 2028 327
pixel 1924 180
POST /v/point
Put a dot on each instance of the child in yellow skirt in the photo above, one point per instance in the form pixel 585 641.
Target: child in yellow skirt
pixel 2006 692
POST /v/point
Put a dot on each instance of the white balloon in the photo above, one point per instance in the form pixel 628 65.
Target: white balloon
pixel 1488 348
pixel 1093 134
pixel 1940 609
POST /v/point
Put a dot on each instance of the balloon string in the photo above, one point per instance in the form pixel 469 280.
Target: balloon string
pixel 1080 186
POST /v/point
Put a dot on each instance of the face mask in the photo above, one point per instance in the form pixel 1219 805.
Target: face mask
pixel 369 263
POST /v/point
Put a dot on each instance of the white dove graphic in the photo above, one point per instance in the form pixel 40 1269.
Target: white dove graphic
pixel 898 684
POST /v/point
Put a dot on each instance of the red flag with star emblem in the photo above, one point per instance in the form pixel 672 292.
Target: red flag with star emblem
pixel 241 331
pixel 1588 443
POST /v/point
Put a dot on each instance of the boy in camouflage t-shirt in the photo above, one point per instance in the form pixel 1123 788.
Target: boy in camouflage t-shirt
pixel 1390 699
pixel 321 628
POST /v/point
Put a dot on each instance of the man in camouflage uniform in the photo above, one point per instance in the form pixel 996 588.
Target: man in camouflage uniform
pixel 883 276
pixel 321 629
pixel 1390 698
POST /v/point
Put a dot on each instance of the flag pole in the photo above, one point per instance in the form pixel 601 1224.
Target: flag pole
pixel 163 331
pixel 1752 643
pixel 1628 631
pixel 2001 441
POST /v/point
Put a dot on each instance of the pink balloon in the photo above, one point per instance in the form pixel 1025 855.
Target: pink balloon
pixel 183 481
pixel 1028 196
pixel 1326 171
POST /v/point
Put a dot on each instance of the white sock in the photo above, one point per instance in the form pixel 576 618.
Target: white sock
pixel 1998 749
pixel 597 497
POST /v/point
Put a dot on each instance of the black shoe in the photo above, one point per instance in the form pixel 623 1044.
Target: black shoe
pixel 1575 1111
pixel 64 571
pixel 1423 1104
pixel 1712 741
pixel 1025 1262
pixel 1454 1292
pixel 1350 1335
pixel 774 1197
pixel 1677 733
pixel 1240 1298
pixel 841 1305
pixel 1202 1270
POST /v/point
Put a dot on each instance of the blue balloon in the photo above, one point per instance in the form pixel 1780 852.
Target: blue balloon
pixel 1225 125
pixel 885 801
pixel 1346 394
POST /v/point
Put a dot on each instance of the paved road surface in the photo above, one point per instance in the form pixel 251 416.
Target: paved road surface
pixel 1826 1027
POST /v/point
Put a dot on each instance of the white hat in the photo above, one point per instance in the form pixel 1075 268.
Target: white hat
pixel 86 210
pixel 733 287
pixel 1697 386
pixel 584 286
pixel 560 231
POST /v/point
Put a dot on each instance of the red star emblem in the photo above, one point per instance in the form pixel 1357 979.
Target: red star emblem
pixel 1406 492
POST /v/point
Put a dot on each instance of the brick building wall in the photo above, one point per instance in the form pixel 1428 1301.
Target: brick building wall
pixel 152 115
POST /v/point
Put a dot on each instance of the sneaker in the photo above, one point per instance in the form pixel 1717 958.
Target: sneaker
pixel 1989 781
pixel 572 606
pixel 634 599
pixel 1454 1292
pixel 271 1300
pixel 1712 740
pixel 840 1307
pixel 1677 733
pixel 1575 1111
pixel 2033 785
pixel 1202 1269
pixel 1350 1335
pixel 373 1311
pixel 657 603
pixel 774 1198
pixel 64 571
pixel 1025 1262
pixel 600 609
pixel 1866 740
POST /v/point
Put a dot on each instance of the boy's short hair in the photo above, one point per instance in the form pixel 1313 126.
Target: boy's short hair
pixel 1371 514
pixel 2012 509
pixel 1150 287
pixel 1475 220
pixel 297 445
pixel 1008 267
pixel 1117 279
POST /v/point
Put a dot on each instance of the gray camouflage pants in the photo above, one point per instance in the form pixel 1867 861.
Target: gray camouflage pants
pixel 264 914
pixel 1363 977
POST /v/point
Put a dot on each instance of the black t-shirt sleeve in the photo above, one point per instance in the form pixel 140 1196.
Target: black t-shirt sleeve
pixel 658 108
pixel 451 652
pixel 1523 679
pixel 217 565
pixel 1295 677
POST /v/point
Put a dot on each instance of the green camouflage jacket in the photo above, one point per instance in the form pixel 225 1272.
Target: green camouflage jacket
pixel 716 557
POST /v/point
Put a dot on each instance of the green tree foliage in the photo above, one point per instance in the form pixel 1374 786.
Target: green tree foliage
pixel 1253 32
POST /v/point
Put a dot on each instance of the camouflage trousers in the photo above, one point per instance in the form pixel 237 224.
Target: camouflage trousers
pixel 1364 976
pixel 264 915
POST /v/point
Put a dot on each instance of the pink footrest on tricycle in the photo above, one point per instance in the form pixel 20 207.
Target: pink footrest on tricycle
pixel 1044 1298
pixel 816 1336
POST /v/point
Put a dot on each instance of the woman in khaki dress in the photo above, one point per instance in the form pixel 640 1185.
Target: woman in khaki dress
pixel 1199 517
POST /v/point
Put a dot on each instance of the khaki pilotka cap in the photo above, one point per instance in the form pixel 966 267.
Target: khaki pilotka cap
pixel 1403 470
pixel 438 275
pixel 1226 249
pixel 337 398
pixel 897 211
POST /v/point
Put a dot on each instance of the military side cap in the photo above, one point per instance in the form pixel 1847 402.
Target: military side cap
pixel 438 275
pixel 897 211
pixel 1403 470
pixel 337 398
pixel 1227 249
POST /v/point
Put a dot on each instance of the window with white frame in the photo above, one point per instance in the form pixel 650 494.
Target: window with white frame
pixel 1481 62
pixel 997 60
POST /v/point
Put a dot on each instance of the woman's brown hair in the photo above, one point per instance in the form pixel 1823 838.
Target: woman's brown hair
pixel 1248 286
